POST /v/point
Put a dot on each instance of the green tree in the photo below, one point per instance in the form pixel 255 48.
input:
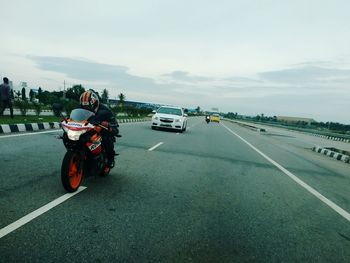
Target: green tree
pixel 121 97
pixel 198 110
pixel 131 111
pixel 37 108
pixel 104 96
pixel 48 98
pixel 74 92
pixel 145 111
pixel 39 93
pixel 58 94
pixel 71 105
pixel 24 94
pixel 31 95
pixel 18 94
pixel 23 106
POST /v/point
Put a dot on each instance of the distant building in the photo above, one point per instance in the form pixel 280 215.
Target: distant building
pixel 35 91
pixel 294 120
pixel 192 111
pixel 135 104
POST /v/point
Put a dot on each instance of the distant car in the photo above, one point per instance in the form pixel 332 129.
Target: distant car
pixel 170 118
pixel 215 117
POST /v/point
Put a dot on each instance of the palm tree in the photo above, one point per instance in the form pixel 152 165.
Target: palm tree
pixel 121 97
pixel 24 94
pixel 105 96
pixel 31 95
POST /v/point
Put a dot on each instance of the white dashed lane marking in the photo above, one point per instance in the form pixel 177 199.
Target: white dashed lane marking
pixel 155 146
pixel 26 219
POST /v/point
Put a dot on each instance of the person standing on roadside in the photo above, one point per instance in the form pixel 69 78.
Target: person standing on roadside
pixel 5 94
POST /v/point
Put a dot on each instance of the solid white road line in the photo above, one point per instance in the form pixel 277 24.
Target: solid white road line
pixel 27 134
pixel 155 146
pixel 24 220
pixel 328 202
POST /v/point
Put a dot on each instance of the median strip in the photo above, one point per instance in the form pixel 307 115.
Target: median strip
pixel 26 219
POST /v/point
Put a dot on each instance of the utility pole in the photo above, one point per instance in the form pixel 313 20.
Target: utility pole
pixel 64 89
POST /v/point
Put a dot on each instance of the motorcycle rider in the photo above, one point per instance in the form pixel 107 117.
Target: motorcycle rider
pixel 207 118
pixel 103 116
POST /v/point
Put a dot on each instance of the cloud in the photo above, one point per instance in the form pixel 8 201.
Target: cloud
pixel 287 91
pixel 177 83
pixel 117 78
pixel 286 81
pixel 186 77
pixel 306 75
pixel 92 71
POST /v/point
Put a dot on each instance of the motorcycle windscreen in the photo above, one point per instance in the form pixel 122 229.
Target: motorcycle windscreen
pixel 80 115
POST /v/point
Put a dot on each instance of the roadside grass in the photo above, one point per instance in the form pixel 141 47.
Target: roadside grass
pixel 28 119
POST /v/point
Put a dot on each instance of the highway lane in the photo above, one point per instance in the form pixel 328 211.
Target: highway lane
pixel 200 196
pixel 329 176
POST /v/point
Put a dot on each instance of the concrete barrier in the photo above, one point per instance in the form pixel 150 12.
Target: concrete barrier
pixel 335 155
pixel 10 128
pixel 29 127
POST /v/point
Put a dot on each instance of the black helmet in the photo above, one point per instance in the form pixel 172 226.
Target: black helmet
pixel 89 101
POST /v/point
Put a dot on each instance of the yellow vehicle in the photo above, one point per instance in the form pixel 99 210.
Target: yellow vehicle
pixel 215 117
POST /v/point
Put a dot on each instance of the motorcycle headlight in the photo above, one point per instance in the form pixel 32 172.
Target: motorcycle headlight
pixel 75 135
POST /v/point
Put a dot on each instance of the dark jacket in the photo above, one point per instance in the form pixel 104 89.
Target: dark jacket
pixel 105 114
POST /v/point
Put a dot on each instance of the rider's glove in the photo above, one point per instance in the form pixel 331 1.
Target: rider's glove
pixel 105 124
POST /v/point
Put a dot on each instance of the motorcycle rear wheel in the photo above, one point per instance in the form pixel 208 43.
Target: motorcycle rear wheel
pixel 72 171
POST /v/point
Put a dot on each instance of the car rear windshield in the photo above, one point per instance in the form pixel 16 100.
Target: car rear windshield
pixel 170 111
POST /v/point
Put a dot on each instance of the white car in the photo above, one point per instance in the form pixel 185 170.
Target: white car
pixel 170 118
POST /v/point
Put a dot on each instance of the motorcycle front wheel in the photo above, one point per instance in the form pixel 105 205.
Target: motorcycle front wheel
pixel 72 171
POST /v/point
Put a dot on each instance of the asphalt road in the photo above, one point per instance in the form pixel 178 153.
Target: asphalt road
pixel 206 195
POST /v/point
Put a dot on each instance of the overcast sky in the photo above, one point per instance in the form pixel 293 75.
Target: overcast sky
pixel 277 57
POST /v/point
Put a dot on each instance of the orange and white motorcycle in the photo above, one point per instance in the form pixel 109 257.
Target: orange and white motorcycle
pixel 85 152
